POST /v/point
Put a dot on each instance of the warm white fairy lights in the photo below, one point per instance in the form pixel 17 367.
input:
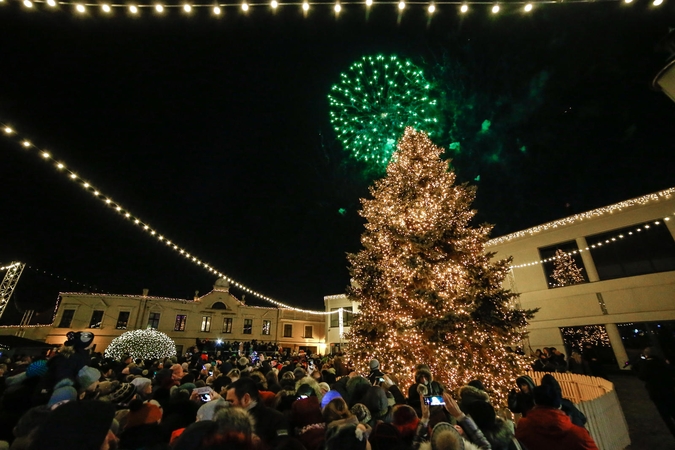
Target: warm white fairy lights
pixel 608 241
pixel 9 266
pixel 639 201
pixel 153 233
pixel 148 344
pixel 135 9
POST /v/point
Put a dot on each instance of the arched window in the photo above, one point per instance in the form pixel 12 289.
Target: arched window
pixel 218 305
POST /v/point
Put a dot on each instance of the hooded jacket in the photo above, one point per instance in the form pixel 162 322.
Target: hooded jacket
pixel 469 394
pixel 577 417
pixel 551 429
pixel 521 402
pixel 433 387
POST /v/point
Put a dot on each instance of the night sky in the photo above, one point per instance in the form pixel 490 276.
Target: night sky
pixel 217 133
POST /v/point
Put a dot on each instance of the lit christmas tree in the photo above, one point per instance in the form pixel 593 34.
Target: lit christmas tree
pixel 428 291
pixel 565 271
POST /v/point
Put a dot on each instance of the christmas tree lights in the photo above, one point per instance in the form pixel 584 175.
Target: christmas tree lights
pixel 373 103
pixel 578 337
pixel 565 270
pixel 428 291
pixel 146 344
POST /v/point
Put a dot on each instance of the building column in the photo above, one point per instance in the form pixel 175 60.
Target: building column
pixel 670 224
pixel 586 257
pixel 617 345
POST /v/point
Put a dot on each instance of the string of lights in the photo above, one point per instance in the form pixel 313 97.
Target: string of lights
pixel 44 272
pixel 655 197
pixel 608 241
pixel 217 10
pixel 61 167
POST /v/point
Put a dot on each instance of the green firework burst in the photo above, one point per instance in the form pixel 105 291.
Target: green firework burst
pixel 375 100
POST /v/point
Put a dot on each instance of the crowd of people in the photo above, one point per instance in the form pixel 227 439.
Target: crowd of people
pixel 77 400
pixel 585 362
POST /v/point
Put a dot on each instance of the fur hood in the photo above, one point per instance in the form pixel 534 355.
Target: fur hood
pixel 469 394
pixel 312 383
pixel 423 370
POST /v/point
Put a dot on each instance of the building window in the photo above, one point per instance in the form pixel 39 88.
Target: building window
pixel 181 320
pixel 227 325
pixel 308 331
pixel 628 252
pixel 153 320
pixel 347 317
pixel 267 327
pixel 288 330
pixel 563 265
pixel 123 320
pixel 66 318
pixel 248 326
pixel 206 323
pixel 96 319
pixel 218 305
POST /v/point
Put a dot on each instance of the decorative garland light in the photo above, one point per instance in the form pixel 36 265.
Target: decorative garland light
pixel 616 238
pixel 148 344
pixel 61 167
pixel 639 201
pixel 187 8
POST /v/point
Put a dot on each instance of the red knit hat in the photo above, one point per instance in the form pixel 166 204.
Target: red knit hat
pixel 405 420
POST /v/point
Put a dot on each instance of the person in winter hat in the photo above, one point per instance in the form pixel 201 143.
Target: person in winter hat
pixel 143 387
pixel 142 429
pixel 523 401
pixel 64 392
pixel 307 423
pixel 423 377
pixel 446 437
pixel 69 360
pixel 547 427
pixel 87 379
pixel 576 416
pixel 375 373
pixel 123 395
pixel 76 425
pixel 469 394
pixel 347 436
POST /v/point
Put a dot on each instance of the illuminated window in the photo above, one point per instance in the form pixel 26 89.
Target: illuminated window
pixel 267 327
pixel 96 319
pixel 153 320
pixel 308 331
pixel 227 325
pixel 123 320
pixel 650 250
pixel 206 323
pixel 181 320
pixel 550 266
pixel 66 318
pixel 248 326
pixel 288 330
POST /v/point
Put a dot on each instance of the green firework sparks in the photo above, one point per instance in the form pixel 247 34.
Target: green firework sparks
pixel 373 103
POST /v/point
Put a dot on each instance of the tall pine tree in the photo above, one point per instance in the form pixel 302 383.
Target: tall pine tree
pixel 428 291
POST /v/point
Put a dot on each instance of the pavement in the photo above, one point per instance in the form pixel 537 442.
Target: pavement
pixel 645 426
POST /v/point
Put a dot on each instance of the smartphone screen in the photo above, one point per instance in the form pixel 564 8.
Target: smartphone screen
pixel 205 397
pixel 434 400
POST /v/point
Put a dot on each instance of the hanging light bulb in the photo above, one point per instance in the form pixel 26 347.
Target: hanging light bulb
pixel 51 3
pixel 464 8
pixel 187 8
pixel 105 8
pixel 133 9
pixel 495 9
pixel 159 8
pixel 432 8
pixel 244 6
pixel 528 7
pixel 401 5
pixel 8 130
pixel 657 2
pixel 337 8
pixel 45 154
pixel 305 6
pixel 25 144
pixel 274 4
pixel 369 2
pixel 216 10
pixel 28 3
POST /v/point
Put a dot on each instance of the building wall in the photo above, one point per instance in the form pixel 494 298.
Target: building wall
pixel 332 302
pixel 638 298
pixel 226 307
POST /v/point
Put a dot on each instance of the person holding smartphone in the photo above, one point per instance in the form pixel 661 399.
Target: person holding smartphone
pixel 376 376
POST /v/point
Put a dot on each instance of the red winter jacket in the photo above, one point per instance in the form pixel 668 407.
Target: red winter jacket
pixel 551 429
